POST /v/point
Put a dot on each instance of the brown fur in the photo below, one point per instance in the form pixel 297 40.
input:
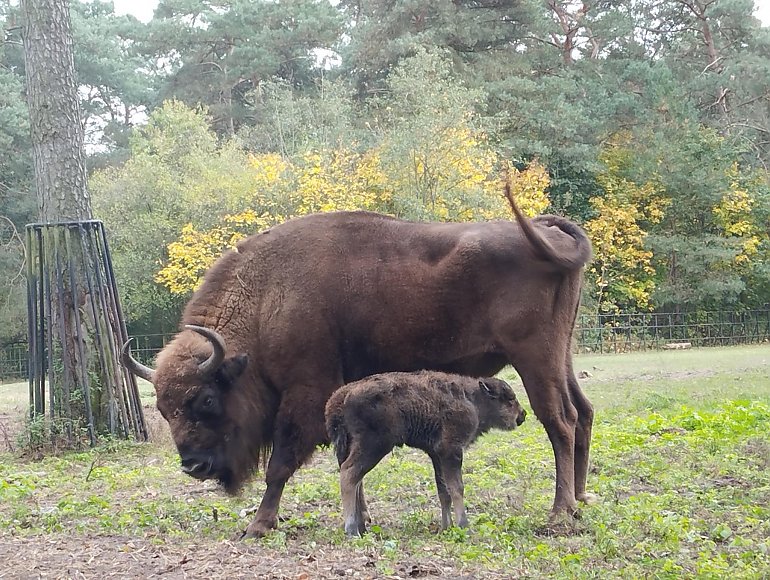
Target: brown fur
pixel 441 414
pixel 327 299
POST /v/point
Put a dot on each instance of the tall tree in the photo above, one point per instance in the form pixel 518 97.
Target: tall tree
pixel 115 84
pixel 54 112
pixel 72 324
pixel 216 52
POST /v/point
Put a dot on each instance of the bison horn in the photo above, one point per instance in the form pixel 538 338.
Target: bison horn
pixel 210 365
pixel 133 365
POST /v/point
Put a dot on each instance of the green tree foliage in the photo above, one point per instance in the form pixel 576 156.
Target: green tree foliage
pixel 114 85
pixel 594 102
pixel 176 174
pixel 17 203
pixel 183 197
pixel 290 122
pixel 216 52
pixel 383 32
pixel 433 145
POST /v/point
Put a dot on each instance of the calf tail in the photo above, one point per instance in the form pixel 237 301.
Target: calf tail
pixel 339 435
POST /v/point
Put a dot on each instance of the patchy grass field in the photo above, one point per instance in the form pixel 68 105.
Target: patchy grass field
pixel 681 462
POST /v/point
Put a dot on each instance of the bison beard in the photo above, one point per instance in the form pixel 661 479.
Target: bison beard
pixel 323 300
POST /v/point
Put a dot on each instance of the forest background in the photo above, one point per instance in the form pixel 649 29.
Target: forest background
pixel 647 121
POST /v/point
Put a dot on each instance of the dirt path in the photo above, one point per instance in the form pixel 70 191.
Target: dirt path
pixel 58 556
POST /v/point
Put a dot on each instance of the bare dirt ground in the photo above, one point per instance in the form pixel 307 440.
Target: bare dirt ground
pixel 121 557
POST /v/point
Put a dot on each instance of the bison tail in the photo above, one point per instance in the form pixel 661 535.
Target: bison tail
pixel 573 258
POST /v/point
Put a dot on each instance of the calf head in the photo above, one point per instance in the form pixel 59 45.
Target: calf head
pixel 211 423
pixel 498 406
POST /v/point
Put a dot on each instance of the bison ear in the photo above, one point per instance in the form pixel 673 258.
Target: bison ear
pixel 231 369
pixel 490 392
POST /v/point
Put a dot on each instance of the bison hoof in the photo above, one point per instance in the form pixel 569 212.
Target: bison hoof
pixel 588 498
pixel 258 529
pixel 563 516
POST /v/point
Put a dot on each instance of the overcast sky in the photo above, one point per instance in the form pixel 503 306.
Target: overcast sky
pixel 762 11
pixel 142 9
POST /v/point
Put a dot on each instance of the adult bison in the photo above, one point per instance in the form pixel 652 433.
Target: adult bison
pixel 302 308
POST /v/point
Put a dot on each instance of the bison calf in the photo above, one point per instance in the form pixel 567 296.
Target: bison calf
pixel 439 413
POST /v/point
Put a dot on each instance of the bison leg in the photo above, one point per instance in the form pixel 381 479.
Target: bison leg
pixel 585 419
pixel 360 461
pixel 299 428
pixel 443 493
pixel 550 399
pixel 280 468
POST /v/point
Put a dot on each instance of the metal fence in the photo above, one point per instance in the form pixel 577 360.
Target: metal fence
pixel 649 331
pixel 604 333
pixel 13 362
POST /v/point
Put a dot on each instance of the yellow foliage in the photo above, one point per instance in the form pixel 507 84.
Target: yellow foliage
pixel 622 266
pixel 340 180
pixel 268 169
pixel 194 252
pixel 529 186
pixel 734 216
pixel 444 171
pixel 322 181
pixel 190 256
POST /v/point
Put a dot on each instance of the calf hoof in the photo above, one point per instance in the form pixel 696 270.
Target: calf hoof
pixel 354 528
pixel 258 529
pixel 588 498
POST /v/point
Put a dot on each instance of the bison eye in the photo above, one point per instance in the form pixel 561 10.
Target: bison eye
pixel 207 406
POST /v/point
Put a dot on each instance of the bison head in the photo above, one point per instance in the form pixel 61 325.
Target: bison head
pixel 211 423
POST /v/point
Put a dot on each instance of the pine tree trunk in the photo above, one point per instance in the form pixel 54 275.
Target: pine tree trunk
pixel 60 178
pixel 54 112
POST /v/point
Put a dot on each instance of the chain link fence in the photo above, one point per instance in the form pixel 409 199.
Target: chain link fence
pixel 604 333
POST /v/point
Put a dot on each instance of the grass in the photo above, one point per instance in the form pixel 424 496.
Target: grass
pixel 680 460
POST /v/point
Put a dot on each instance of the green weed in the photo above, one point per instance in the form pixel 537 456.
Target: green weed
pixel 679 459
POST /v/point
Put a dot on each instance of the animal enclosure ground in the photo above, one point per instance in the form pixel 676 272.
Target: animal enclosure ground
pixel 680 461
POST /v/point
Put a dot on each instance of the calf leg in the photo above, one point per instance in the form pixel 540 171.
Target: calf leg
pixel 443 493
pixel 361 507
pixel 451 468
pixel 360 461
pixel 294 440
pixel 585 419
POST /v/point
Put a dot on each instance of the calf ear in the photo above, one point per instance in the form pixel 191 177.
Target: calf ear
pixel 231 369
pixel 489 391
